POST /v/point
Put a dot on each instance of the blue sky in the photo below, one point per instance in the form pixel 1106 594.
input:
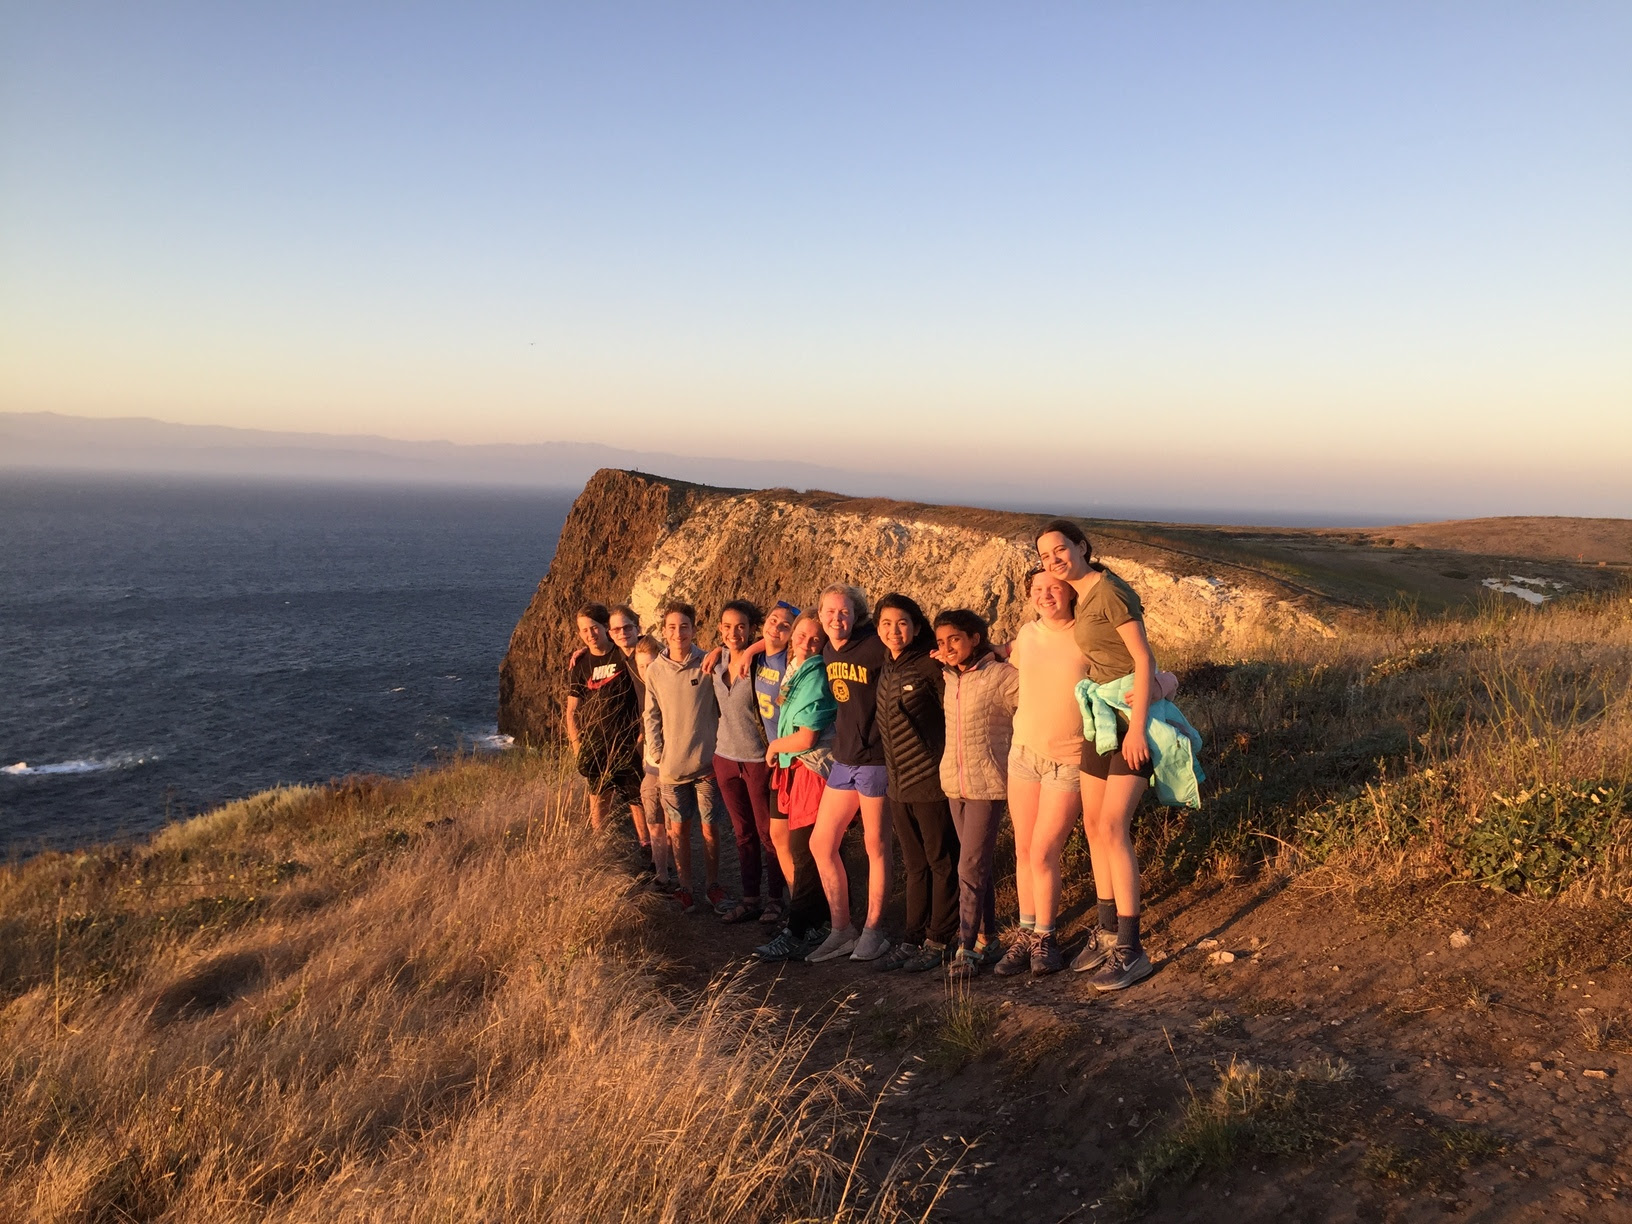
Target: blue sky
pixel 1350 254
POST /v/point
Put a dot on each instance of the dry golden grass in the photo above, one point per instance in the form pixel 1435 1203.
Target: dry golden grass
pixel 409 1000
pixel 1494 747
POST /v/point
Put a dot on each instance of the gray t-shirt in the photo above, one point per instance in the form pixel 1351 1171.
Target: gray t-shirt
pixel 741 736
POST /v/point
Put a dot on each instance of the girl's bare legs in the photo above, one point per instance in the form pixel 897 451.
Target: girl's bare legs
pixel 1110 839
pixel 1056 814
pixel 875 826
pixel 1023 811
pixel 1093 798
pixel 660 849
pixel 833 817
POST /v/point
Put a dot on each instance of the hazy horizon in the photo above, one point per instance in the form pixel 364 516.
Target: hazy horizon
pixel 50 445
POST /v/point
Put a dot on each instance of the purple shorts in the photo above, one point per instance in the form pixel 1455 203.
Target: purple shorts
pixel 869 780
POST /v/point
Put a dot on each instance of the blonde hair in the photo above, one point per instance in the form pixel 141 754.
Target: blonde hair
pixel 856 596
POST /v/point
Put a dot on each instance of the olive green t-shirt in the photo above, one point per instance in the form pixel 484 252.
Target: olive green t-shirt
pixel 1110 602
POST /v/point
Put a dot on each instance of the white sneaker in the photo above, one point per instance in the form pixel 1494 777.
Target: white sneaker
pixel 872 945
pixel 838 944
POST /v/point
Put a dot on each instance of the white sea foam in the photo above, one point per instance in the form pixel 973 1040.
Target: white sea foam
pixel 22 769
pixel 494 742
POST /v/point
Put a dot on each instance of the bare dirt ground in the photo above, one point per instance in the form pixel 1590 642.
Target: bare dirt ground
pixel 1484 1034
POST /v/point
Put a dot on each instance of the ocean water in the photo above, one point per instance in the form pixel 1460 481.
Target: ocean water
pixel 168 645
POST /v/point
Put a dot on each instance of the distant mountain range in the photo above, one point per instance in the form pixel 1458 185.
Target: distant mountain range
pixel 49 441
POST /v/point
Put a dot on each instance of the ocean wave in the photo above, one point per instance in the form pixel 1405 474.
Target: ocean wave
pixel 494 742
pixel 87 765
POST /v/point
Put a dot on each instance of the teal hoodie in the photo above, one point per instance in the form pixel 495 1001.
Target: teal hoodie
pixel 1174 743
pixel 807 702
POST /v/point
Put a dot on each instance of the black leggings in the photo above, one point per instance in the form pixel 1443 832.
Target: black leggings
pixel 807 904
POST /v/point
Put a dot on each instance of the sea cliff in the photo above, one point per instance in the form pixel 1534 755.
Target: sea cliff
pixel 643 539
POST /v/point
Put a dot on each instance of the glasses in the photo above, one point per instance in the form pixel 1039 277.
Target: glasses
pixel 787 607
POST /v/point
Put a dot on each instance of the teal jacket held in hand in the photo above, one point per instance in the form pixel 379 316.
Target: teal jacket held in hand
pixel 808 702
pixel 1174 743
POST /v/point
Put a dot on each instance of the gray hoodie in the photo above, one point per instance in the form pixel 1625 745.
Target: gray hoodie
pixel 681 718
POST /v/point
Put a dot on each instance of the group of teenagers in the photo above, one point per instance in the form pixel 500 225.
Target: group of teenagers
pixel 801 720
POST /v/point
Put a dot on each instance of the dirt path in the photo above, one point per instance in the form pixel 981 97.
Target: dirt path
pixel 1481 1036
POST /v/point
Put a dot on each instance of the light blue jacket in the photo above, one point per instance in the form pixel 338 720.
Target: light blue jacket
pixel 1174 743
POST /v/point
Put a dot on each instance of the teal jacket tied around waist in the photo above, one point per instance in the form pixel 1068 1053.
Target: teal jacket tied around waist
pixel 808 702
pixel 1174 743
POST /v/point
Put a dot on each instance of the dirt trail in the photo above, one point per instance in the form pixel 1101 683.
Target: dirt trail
pixel 1463 1051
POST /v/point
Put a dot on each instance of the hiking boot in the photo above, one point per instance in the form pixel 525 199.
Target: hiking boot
pixel 1095 952
pixel 1125 967
pixel 717 898
pixel 1046 956
pixel 898 956
pixel 804 945
pixel 964 966
pixel 932 956
pixel 837 944
pixel 779 949
pixel 872 945
pixel 1018 958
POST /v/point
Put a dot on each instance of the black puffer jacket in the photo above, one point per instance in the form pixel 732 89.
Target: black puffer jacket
pixel 912 724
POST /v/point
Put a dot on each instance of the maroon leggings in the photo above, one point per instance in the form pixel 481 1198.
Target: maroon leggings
pixel 746 788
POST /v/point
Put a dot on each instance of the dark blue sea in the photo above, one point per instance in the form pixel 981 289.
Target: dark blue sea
pixel 169 645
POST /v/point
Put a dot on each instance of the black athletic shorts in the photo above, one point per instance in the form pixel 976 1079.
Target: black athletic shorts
pixel 1111 764
pixel 610 770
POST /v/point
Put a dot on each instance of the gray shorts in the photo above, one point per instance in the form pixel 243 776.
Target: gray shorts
pixel 1026 766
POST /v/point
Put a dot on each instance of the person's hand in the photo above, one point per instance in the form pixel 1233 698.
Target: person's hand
pixel 1001 649
pixel 741 666
pixel 711 660
pixel 1135 748
pixel 770 756
pixel 576 655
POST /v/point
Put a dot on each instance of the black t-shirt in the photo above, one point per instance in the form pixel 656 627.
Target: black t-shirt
pixel 608 699
pixel 852 675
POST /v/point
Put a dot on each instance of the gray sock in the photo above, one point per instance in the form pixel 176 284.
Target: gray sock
pixel 1127 932
pixel 1107 915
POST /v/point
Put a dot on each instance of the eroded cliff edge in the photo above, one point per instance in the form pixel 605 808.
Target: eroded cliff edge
pixel 642 539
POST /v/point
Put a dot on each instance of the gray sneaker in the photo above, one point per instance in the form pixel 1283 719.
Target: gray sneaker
pixel 872 945
pixel 1125 967
pixel 809 942
pixel 898 956
pixel 931 956
pixel 837 944
pixel 1018 958
pixel 1045 955
pixel 1095 952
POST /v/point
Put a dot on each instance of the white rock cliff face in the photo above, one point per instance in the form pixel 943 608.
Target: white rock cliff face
pixel 941 566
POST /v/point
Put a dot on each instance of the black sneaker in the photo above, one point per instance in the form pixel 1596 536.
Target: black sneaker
pixel 779 949
pixel 898 956
pixel 1095 952
pixel 1046 956
pixel 930 956
pixel 1018 958
pixel 1125 967
pixel 804 945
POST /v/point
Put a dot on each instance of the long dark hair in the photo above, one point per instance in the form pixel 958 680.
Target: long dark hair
pixel 921 629
pixel 1071 532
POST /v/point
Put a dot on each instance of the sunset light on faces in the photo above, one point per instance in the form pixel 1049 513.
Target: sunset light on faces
pixel 623 631
pixel 838 617
pixel 678 635
pixel 593 634
pixel 895 630
pixel 778 625
pixel 1366 257
pixel 956 647
pixel 735 631
pixel 805 641
pixel 1051 597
